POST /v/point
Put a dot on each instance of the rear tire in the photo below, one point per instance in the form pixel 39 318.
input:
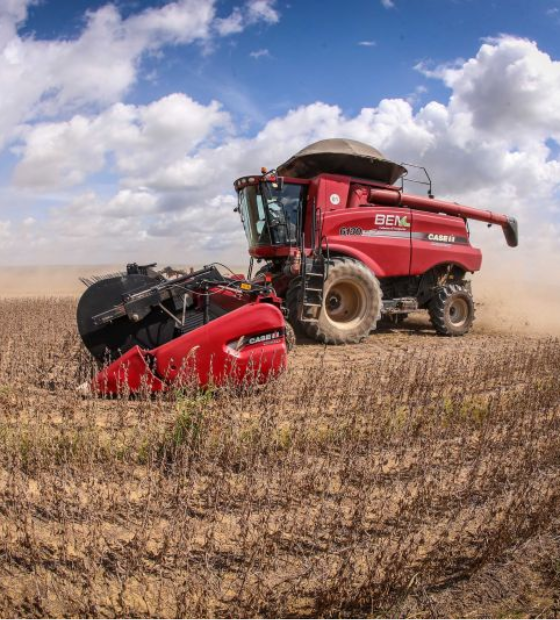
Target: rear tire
pixel 452 310
pixel 351 304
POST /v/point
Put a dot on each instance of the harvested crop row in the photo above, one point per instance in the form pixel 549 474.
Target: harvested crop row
pixel 372 479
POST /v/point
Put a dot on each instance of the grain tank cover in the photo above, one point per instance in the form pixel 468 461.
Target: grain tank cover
pixel 341 156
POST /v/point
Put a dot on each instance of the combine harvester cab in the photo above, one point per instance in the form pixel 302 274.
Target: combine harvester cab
pixel 210 331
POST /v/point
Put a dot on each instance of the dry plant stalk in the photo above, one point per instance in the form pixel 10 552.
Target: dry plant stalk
pixel 371 483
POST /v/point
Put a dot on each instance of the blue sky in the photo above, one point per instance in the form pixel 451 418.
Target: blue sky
pixel 126 122
pixel 314 54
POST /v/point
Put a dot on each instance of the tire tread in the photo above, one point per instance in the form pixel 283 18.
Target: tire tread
pixel 437 305
pixel 326 333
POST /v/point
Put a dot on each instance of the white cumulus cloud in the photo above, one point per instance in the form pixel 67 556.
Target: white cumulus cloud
pixel 508 91
pixel 493 144
pixel 53 77
pixel 141 138
pixel 252 12
pixel 262 10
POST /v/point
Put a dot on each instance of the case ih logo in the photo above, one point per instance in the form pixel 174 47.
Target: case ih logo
pixel 393 221
pixel 441 238
pixel 264 338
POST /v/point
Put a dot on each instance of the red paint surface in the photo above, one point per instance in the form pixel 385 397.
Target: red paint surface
pixel 343 203
pixel 205 356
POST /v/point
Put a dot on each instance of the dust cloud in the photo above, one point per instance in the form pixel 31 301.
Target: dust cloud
pixel 508 299
pixel 518 291
pixel 41 281
pixel 508 306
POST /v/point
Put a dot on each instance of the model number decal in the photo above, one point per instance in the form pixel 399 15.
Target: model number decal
pixel 354 230
pixel 403 232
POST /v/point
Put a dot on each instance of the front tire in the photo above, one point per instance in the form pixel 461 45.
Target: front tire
pixel 452 310
pixel 293 305
pixel 351 304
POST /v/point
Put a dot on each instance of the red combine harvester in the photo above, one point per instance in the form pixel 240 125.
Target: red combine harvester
pixel 343 247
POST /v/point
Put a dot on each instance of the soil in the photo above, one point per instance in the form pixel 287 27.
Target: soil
pixel 408 475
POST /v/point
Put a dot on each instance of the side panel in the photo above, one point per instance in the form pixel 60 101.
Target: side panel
pixel 247 345
pixel 130 372
pixel 438 239
pixel 382 234
pixel 208 354
pixel 332 192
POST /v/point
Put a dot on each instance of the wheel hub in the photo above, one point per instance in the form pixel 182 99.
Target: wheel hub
pixel 345 304
pixel 458 311
pixel 333 302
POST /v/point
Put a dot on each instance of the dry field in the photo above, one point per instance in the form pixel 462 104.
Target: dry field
pixel 407 476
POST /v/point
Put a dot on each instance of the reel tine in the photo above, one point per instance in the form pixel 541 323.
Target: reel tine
pixel 89 281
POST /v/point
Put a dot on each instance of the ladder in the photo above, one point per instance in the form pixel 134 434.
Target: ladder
pixel 312 283
pixel 314 271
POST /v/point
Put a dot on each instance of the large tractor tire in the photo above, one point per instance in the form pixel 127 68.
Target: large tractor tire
pixel 452 310
pixel 293 300
pixel 351 304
